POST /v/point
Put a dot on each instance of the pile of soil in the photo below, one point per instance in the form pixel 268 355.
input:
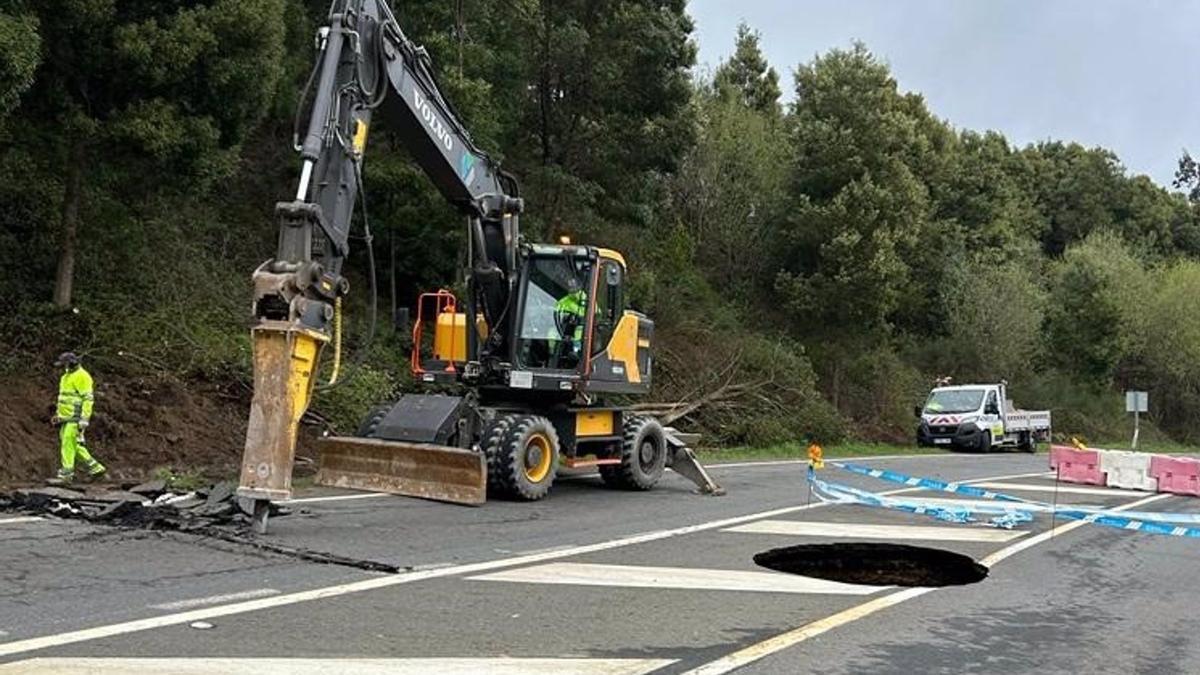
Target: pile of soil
pixel 140 424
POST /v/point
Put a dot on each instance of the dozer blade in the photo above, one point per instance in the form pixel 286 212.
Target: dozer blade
pixel 423 470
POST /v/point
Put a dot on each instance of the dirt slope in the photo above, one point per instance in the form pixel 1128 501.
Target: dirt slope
pixel 140 424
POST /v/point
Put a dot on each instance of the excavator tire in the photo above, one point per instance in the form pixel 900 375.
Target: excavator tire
pixel 526 460
pixel 371 422
pixel 491 442
pixel 643 456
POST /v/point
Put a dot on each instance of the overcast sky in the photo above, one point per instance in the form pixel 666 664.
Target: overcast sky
pixel 1123 74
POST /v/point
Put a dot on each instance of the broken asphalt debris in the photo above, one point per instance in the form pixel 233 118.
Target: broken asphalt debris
pixel 148 505
pixel 214 512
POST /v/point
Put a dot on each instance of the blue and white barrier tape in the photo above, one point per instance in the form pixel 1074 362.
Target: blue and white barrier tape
pixel 928 483
pixel 1005 516
pixel 1007 512
pixel 972 491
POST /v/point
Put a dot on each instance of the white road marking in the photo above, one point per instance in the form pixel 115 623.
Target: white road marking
pixel 20 519
pixel 284 666
pixel 754 652
pixel 1063 489
pixel 216 599
pixel 805 528
pixel 976 503
pixel 637 576
pixel 374 583
pixel 336 498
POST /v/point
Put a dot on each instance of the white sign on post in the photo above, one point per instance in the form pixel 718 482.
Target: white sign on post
pixel 1136 402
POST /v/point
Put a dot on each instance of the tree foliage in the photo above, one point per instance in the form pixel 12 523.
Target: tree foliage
pixel 747 77
pixel 20 47
pixel 818 264
pixel 994 313
pixel 1095 292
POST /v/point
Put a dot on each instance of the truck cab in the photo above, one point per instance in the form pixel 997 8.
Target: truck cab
pixel 979 417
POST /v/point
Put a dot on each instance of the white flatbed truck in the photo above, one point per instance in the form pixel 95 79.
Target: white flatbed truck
pixel 979 417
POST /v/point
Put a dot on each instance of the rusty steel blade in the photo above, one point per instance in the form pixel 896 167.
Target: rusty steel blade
pixel 422 470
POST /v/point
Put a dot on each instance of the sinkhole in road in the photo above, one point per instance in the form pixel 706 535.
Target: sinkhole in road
pixel 875 564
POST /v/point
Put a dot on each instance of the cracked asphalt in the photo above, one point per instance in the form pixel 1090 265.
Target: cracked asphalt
pixel 645 582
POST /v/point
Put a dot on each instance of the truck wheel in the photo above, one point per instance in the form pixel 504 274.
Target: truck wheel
pixel 643 456
pixel 985 441
pixel 1029 442
pixel 526 460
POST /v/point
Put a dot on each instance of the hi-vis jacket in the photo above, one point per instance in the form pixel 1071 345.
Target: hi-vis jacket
pixel 75 396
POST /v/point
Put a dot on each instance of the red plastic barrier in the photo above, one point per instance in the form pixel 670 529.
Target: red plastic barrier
pixel 1180 475
pixel 1076 466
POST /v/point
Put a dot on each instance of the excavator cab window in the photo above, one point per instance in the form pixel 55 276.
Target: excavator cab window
pixel 609 305
pixel 555 316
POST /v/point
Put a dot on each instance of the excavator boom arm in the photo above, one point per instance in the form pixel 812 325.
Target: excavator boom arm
pixel 366 67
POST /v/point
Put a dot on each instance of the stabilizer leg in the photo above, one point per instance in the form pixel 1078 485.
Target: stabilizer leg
pixel 683 461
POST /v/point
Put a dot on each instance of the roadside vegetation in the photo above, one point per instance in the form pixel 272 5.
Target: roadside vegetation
pixel 811 265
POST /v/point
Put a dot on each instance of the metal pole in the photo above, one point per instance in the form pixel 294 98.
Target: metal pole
pixel 1054 507
pixel 1136 425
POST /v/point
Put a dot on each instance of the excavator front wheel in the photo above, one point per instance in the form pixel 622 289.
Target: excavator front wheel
pixel 525 461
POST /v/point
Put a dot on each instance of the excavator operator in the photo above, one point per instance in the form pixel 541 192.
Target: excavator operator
pixel 570 313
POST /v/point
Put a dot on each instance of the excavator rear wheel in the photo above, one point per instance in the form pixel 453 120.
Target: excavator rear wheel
pixel 525 461
pixel 491 442
pixel 643 456
pixel 371 422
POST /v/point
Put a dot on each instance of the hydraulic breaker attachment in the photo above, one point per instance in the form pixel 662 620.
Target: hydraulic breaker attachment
pixel 424 470
pixel 682 461
pixel 285 364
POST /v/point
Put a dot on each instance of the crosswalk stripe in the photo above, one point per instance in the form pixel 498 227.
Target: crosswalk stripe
pixel 281 666
pixel 1064 489
pixel 977 503
pixel 798 528
pixel 636 576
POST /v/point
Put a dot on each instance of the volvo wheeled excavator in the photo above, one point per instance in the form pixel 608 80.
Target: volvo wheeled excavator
pixel 531 354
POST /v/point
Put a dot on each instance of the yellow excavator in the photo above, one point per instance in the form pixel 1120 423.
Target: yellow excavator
pixel 532 353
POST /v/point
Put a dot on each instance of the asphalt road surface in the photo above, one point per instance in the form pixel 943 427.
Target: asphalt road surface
pixel 596 581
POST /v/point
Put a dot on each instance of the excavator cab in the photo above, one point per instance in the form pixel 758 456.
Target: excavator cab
pixel 570 331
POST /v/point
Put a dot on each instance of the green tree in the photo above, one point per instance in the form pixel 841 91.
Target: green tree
pixel 20 47
pixel 1187 177
pixel 146 98
pixel 857 202
pixel 1151 218
pixel 994 319
pixel 980 191
pixel 729 192
pixel 1171 348
pixel 605 108
pixel 1096 294
pixel 1078 191
pixel 747 77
